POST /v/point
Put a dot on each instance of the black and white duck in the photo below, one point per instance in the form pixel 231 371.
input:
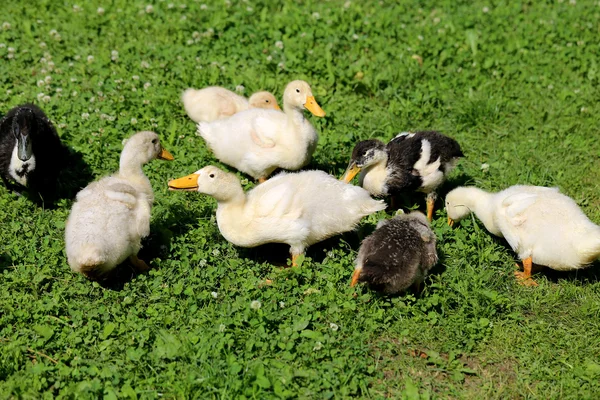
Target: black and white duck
pixel 31 153
pixel 397 255
pixel 416 161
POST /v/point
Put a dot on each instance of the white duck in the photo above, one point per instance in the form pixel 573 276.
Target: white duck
pixel 259 141
pixel 112 215
pixel 540 224
pixel 214 102
pixel 298 209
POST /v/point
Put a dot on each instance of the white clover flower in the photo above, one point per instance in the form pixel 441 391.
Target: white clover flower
pixel 333 326
pixel 551 86
pixel 92 99
pixel 240 88
pixel 572 2
pixel 249 9
pixel 269 58
pixel 279 44
pixel 195 34
pixel 58 90
pixel 90 59
pixel 183 6
pixel 583 109
pixel 133 121
pixel 46 99
pixel 10 56
pixel 255 305
pixel 281 65
pixel 40 96
pixel 76 8
pixel 48 79
pixel 316 15
pixel 170 5
pixel 485 167
pixel 100 11
pixel 74 93
pixel 2 45
pixel 202 263
pixel 203 6
pixel 6 25
pixel 147 85
pixel 347 4
pixel 221 328
pixel 318 346
pixel 134 89
pixel 8 91
pixel 485 9
pixel 146 102
pixel 420 37
pixel 355 36
pixel 216 252
pixel 144 64
pixel 149 9
pixel 41 83
pixel 85 115
pixel 214 295
pixel 135 78
pixel 183 17
pixel 11 49
pixel 281 304
pixel 189 42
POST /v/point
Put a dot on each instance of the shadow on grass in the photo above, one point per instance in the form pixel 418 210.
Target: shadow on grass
pixel 5 262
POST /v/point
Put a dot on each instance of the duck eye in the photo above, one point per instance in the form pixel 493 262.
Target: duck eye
pixel 155 141
pixel 297 90
pixel 212 175
pixel 268 101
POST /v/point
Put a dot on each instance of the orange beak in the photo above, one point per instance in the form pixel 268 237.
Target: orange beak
pixel 350 173
pixel 312 106
pixel 450 222
pixel 355 276
pixel 188 183
pixel 165 155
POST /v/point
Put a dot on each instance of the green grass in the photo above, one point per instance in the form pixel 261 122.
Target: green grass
pixel 516 83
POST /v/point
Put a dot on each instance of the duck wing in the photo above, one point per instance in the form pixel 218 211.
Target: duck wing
pixel 265 131
pixel 278 202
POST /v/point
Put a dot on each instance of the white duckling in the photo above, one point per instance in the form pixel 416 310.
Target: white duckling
pixel 214 102
pixel 112 215
pixel 259 141
pixel 298 209
pixel 542 225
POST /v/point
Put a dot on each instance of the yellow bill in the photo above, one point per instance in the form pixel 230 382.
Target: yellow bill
pixel 165 155
pixel 350 173
pixel 450 222
pixel 188 183
pixel 276 106
pixel 312 106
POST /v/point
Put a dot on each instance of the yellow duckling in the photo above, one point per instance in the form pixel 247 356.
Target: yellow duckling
pixel 214 102
pixel 259 141
pixel 298 209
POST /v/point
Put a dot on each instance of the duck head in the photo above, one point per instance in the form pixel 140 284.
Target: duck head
pixel 210 180
pixel 456 207
pixel 22 125
pixel 142 148
pixel 365 153
pixel 263 100
pixel 298 95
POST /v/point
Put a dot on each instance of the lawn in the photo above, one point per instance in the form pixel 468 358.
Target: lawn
pixel 515 82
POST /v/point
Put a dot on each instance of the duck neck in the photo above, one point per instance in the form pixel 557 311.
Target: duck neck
pixel 295 114
pixel 373 177
pixel 482 204
pixel 231 212
pixel 130 168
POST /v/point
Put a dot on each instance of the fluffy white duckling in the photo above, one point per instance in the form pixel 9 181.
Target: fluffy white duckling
pixel 411 161
pixel 112 215
pixel 214 102
pixel 298 209
pixel 259 141
pixel 397 255
pixel 542 225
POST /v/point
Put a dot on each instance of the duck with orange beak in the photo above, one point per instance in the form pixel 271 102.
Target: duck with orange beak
pixel 258 141
pixel 298 209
